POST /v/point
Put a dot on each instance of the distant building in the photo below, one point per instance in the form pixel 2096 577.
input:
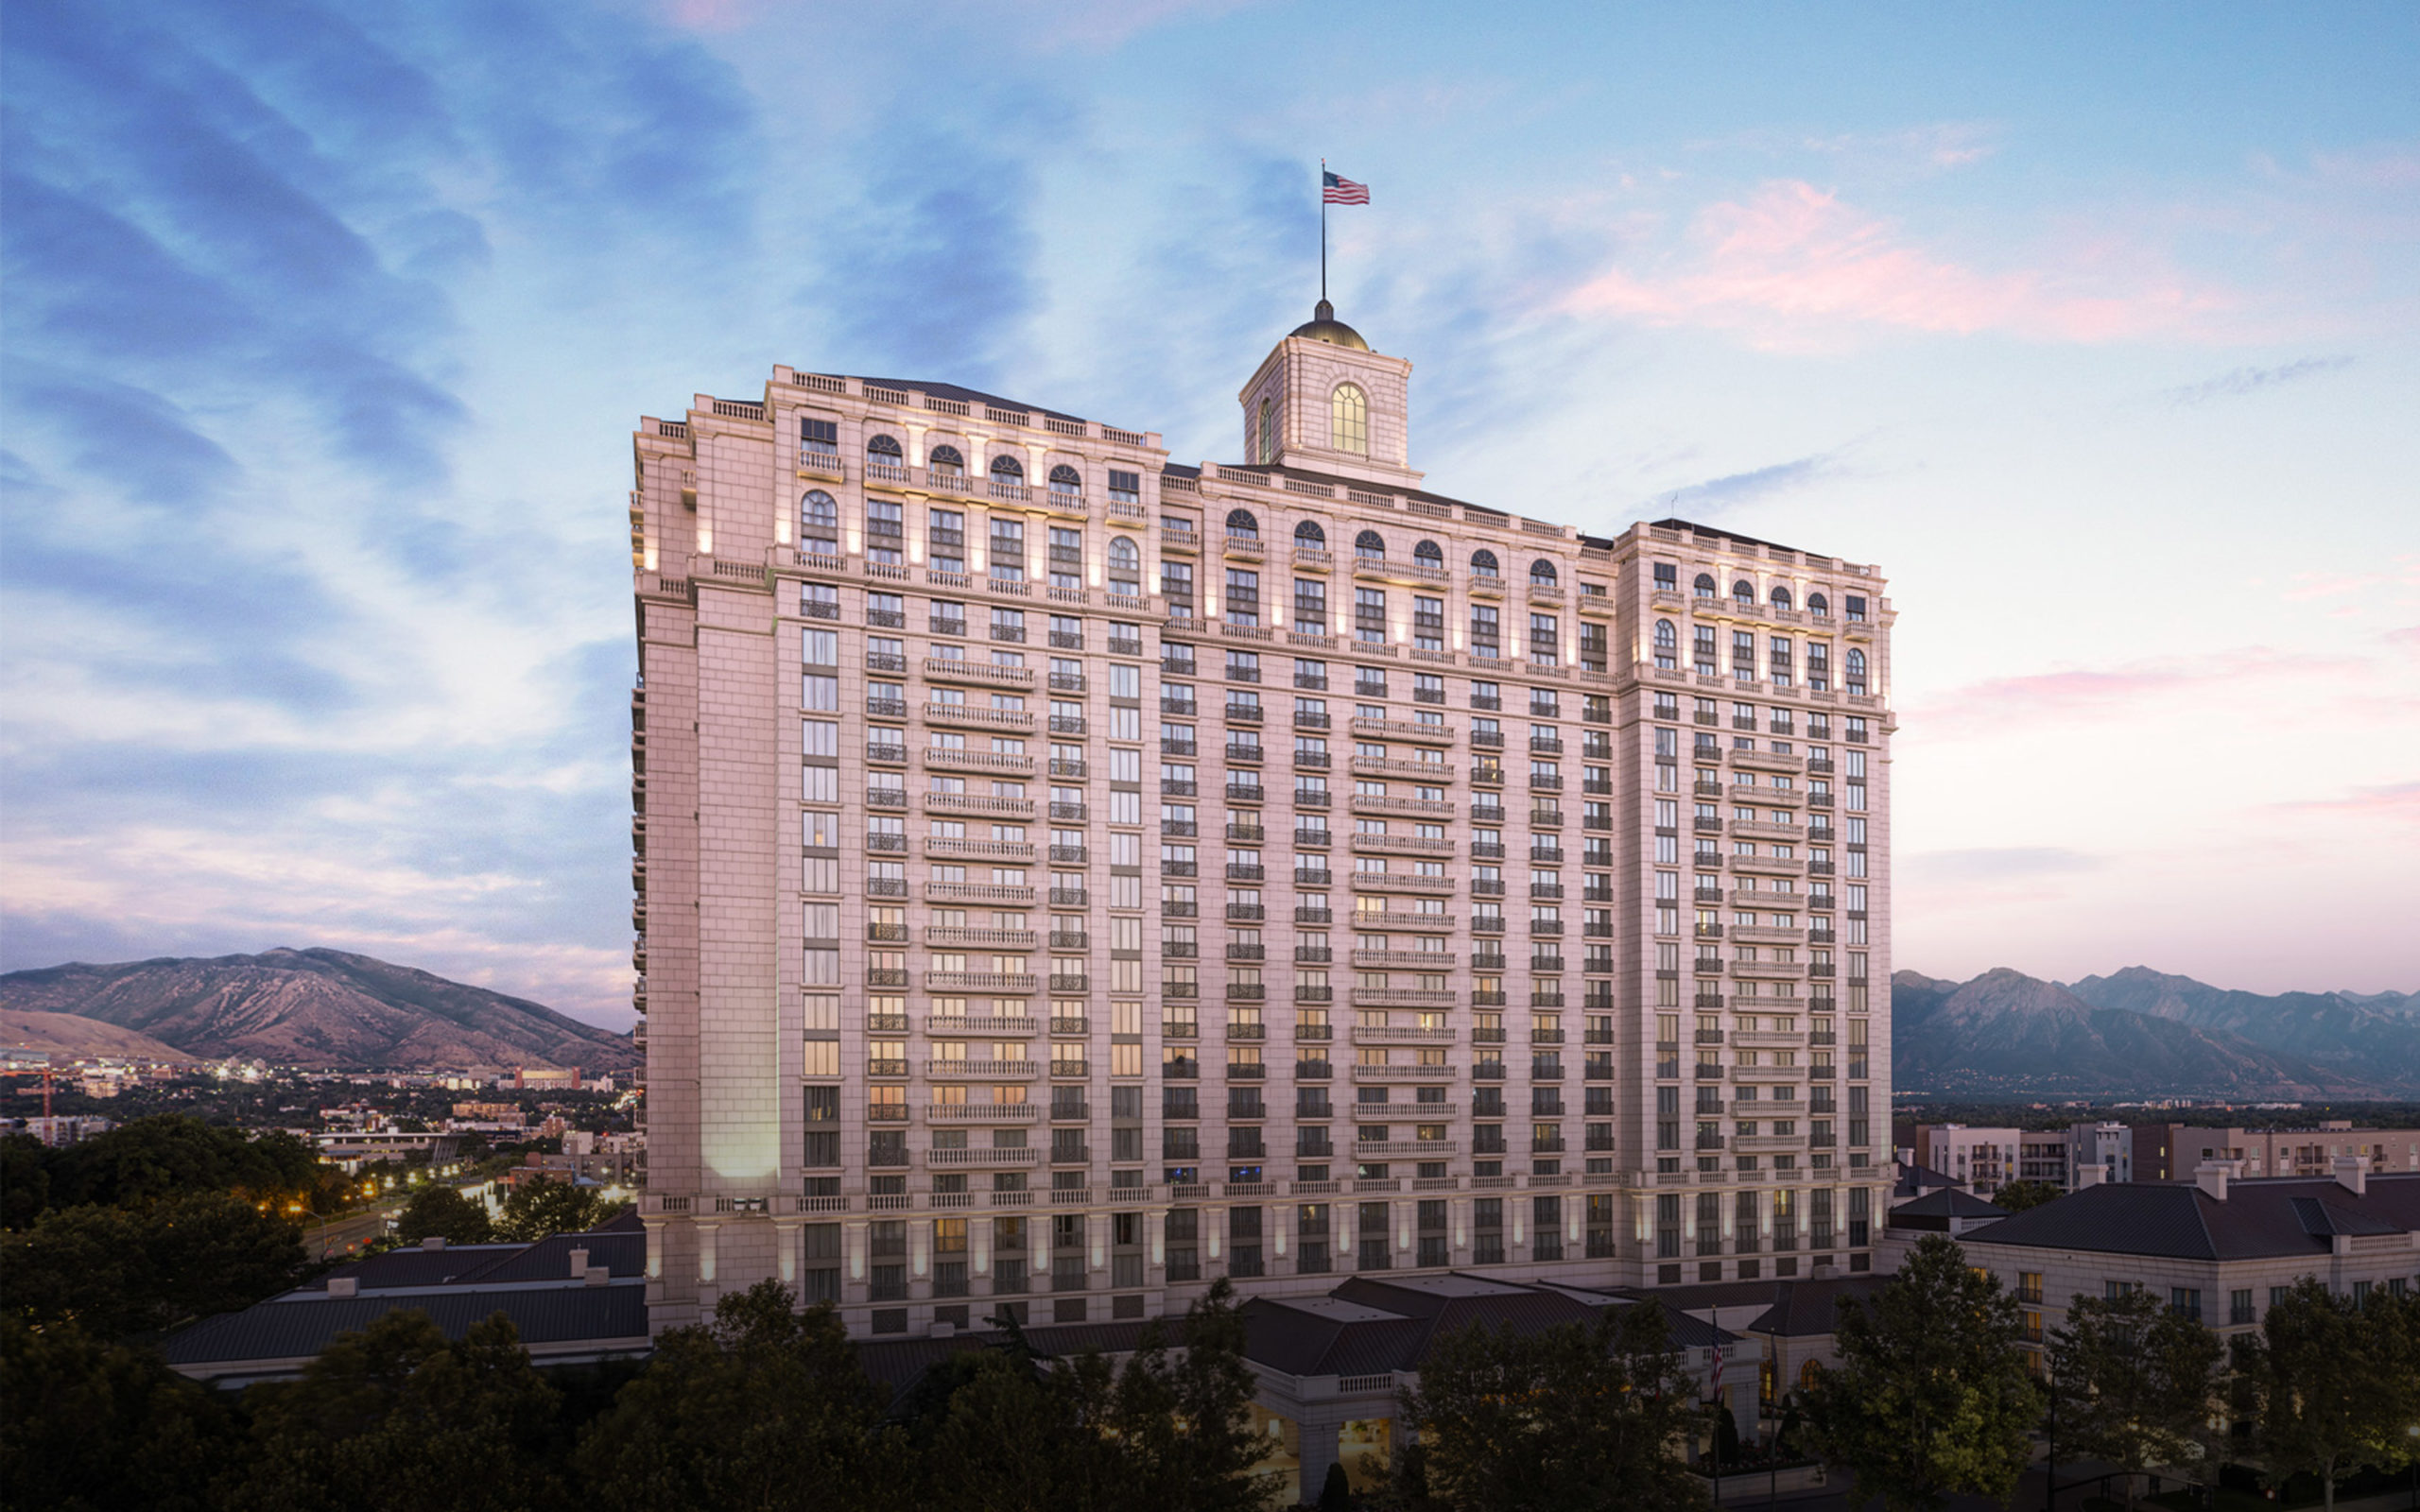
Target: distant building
pixel 65 1129
pixel 1983 1159
pixel 2220 1249
pixel 2168 1152
pixel 502 1115
pixel 541 1079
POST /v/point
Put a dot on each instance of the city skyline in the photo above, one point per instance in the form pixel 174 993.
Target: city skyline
pixel 324 334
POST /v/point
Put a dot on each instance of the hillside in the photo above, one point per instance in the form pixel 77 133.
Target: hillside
pixel 66 1034
pixel 2006 1032
pixel 320 1009
pixel 2373 1037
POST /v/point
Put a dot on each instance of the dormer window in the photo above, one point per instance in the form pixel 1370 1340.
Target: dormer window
pixel 1349 419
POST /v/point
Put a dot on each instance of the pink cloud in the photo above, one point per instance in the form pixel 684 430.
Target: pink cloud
pixel 2394 803
pixel 2085 692
pixel 1793 257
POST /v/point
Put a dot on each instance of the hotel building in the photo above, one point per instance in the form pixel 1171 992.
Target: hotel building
pixel 1065 876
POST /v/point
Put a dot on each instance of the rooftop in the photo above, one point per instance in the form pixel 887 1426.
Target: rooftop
pixel 2260 1218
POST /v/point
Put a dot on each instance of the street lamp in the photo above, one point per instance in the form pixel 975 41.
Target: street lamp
pixel 298 1207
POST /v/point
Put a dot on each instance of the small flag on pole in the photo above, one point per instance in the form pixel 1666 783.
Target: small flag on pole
pixel 1341 191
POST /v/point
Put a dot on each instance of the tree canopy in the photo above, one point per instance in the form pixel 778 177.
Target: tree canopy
pixel 2334 1383
pixel 121 1272
pixel 2018 1196
pixel 1932 1396
pixel 165 1155
pixel 2137 1382
pixel 437 1211
pixel 1564 1418
pixel 544 1207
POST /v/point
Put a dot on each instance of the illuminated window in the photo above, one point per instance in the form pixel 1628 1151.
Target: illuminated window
pixel 1349 425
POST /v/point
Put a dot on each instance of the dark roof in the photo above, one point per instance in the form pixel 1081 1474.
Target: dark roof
pixel 974 396
pixel 1794 1308
pixel 419 1267
pixel 621 1251
pixel 1179 470
pixel 2277 1217
pixel 283 1330
pixel 1370 1324
pixel 1915 1180
pixel 1948 1202
pixel 896 1364
pixel 549 1260
pixel 626 1222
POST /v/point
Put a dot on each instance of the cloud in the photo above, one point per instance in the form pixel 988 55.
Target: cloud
pixel 1717 496
pixel 1994 865
pixel 2395 802
pixel 1942 144
pixel 1794 262
pixel 2089 692
pixel 2251 379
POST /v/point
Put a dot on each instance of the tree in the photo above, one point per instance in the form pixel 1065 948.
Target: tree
pixel 1336 1492
pixel 767 1409
pixel 90 1427
pixel 171 1154
pixel 1931 1395
pixel 1563 1418
pixel 24 1180
pixel 2137 1382
pixel 439 1211
pixel 397 1417
pixel 121 1273
pixel 2334 1385
pixel 544 1207
pixel 1185 1423
pixel 2018 1196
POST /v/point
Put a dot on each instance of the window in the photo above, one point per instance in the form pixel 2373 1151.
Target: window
pixel 1667 646
pixel 1349 420
pixel 819 525
pixel 1242 523
pixel 883 452
pixel 1781 598
pixel 1370 614
pixel 1819 605
pixel 1428 553
pixel 1705 586
pixel 1541 574
pixel 1309 534
pixel 1008 550
pixel 1176 584
pixel 1125 566
pixel 1856 670
pixel 1369 546
pixel 1243 596
pixel 1008 469
pixel 1066 482
pixel 1744 592
pixel 946 461
pixel 1486 639
pixel 1855 609
pixel 1268 432
pixel 1483 564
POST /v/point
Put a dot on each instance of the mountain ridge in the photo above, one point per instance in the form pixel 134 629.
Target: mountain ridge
pixel 320 1009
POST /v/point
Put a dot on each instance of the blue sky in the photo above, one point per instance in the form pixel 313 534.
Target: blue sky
pixel 325 325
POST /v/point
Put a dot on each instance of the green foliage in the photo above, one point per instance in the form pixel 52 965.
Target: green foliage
pixel 24 1180
pixel 437 1211
pixel 88 1427
pixel 1565 1417
pixel 1932 1396
pixel 2334 1385
pixel 120 1273
pixel 765 1409
pixel 2018 1196
pixel 395 1419
pixel 2137 1382
pixel 544 1207
pixel 1335 1493
pixel 1185 1423
pixel 169 1155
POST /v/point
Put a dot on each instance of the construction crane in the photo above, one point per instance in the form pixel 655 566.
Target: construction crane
pixel 46 1075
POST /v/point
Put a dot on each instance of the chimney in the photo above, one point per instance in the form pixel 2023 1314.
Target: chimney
pixel 344 1286
pixel 579 1262
pixel 598 1274
pixel 941 1331
pixel 433 1241
pixel 2351 1173
pixel 2212 1176
pixel 2089 1175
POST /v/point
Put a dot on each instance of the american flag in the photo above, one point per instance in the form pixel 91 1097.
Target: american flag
pixel 1339 191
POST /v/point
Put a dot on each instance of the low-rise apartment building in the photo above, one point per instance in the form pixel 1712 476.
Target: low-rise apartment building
pixel 1983 1159
pixel 2169 1152
pixel 2221 1248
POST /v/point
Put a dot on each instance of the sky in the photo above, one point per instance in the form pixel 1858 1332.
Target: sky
pixel 323 327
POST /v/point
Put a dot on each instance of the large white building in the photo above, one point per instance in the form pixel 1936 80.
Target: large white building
pixel 1066 876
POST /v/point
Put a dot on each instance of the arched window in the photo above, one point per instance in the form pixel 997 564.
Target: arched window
pixel 1240 523
pixel 1349 419
pixel 883 451
pixel 1006 469
pixel 1744 592
pixel 1429 554
pixel 1810 1375
pixel 1483 563
pixel 1125 566
pixel 1819 605
pixel 819 523
pixel 1066 479
pixel 1309 534
pixel 1705 585
pixel 1541 574
pixel 1268 432
pixel 1856 670
pixel 1781 598
pixel 1369 546
pixel 946 460
pixel 1667 646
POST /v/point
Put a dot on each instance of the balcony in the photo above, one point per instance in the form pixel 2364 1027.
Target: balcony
pixel 1410 961
pixel 957 669
pixel 977 982
pixel 975 717
pixel 1401 882
pixel 1427 808
pixel 1376 997
pixel 959 937
pixel 977 892
pixel 977 803
pixel 979 850
pixel 1406 1149
pixel 1401 844
pixel 1403 1073
pixel 982 1112
pixel 1401 1035
pixel 1437 734
pixel 985 1070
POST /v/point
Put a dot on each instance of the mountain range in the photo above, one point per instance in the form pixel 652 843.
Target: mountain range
pixel 2144 1033
pixel 318 1008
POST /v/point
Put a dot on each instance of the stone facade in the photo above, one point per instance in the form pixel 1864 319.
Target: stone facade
pixel 1065 876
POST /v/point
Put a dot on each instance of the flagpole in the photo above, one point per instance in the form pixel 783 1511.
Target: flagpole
pixel 1323 230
